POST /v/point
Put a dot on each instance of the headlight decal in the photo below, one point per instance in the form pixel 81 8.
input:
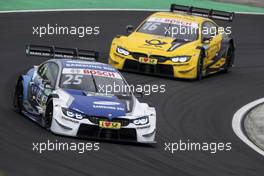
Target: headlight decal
pixel 122 51
pixel 141 121
pixel 72 114
pixel 180 59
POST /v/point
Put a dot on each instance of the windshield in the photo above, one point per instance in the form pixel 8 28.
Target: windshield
pixel 92 81
pixel 170 28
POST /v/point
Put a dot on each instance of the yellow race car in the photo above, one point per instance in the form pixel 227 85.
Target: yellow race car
pixel 183 43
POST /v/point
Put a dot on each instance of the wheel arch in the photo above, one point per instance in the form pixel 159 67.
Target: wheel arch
pixel 25 80
pixel 51 97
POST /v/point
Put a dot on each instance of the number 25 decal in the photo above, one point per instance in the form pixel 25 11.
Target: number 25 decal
pixel 73 79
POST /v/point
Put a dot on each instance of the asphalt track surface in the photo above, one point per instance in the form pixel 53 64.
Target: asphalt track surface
pixel 199 111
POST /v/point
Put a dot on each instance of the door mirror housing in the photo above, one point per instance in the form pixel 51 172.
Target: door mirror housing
pixel 207 39
pixel 129 29
pixel 47 84
pixel 139 94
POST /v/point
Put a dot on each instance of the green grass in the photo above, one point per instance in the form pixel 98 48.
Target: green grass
pixel 120 4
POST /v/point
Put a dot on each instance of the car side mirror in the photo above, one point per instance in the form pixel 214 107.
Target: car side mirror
pixel 207 39
pixel 129 29
pixel 47 84
pixel 139 94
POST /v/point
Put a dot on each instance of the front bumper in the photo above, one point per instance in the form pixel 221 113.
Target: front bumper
pixel 84 128
pixel 186 70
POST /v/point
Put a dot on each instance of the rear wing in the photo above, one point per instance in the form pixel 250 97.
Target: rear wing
pixel 63 53
pixel 208 13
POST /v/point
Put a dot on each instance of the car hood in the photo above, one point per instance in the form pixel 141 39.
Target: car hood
pixel 100 105
pixel 153 44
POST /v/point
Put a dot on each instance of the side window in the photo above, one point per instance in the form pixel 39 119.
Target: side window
pixel 209 30
pixel 52 73
pixel 42 70
pixel 49 71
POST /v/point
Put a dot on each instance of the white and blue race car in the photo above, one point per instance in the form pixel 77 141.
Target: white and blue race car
pixel 66 95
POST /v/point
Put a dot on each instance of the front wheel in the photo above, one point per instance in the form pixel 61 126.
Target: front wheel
pixel 18 96
pixel 47 118
pixel 200 69
pixel 229 58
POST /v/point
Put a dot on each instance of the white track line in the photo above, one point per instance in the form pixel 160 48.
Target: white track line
pixel 237 126
pixel 74 10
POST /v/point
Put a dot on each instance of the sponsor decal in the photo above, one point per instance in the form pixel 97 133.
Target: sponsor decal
pixel 90 65
pixel 94 72
pixel 108 107
pixel 155 42
pixel 173 21
pixel 69 119
pixel 110 103
pixel 109 125
pixel 148 60
pixel 142 127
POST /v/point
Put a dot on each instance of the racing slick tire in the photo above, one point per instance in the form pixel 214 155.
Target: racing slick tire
pixel 200 68
pixel 18 96
pixel 48 117
pixel 230 58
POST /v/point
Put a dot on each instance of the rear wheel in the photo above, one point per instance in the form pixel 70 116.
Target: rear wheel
pixel 47 119
pixel 18 96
